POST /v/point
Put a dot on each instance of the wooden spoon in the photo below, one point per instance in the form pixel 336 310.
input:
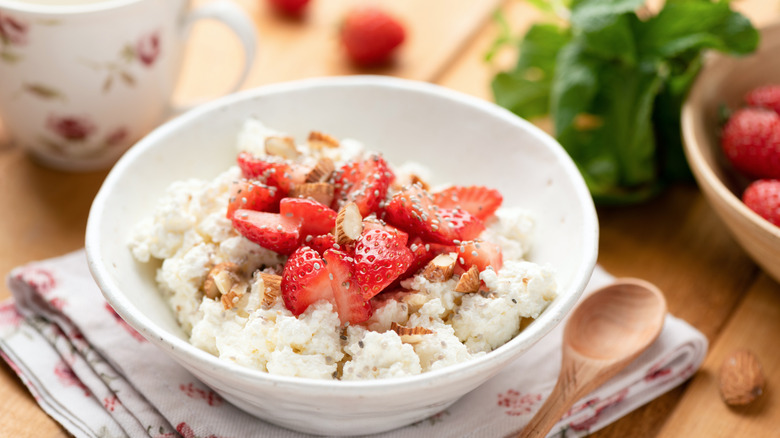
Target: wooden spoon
pixel 607 331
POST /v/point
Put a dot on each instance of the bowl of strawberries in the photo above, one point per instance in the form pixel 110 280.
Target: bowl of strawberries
pixel 344 256
pixel 731 133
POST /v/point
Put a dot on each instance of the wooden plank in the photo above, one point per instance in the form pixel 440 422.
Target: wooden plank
pixel 701 412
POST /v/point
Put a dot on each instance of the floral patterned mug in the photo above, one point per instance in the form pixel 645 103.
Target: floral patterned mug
pixel 82 80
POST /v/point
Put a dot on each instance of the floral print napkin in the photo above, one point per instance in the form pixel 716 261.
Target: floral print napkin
pixel 98 377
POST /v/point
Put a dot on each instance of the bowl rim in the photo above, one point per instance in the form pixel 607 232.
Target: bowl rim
pixel 545 322
pixel 693 145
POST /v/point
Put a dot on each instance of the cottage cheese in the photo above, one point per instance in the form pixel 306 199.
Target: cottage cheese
pixel 189 234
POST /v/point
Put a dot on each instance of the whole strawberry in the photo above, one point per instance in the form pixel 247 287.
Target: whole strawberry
pixel 290 7
pixel 763 197
pixel 371 36
pixel 767 96
pixel 751 142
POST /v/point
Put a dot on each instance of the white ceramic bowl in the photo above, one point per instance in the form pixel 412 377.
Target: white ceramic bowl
pixel 463 139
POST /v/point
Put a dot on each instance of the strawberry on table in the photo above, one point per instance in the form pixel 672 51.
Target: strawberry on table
pixel 305 280
pixel 763 197
pixel 351 305
pixel 751 142
pixel 381 256
pixel 479 253
pixel 767 96
pixel 364 182
pixel 252 195
pixel 480 201
pixel 269 230
pixel 371 36
pixel 315 218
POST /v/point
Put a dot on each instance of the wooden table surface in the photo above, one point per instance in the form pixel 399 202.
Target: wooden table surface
pixel 675 241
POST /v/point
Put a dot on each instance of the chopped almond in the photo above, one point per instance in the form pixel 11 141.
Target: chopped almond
pixel 320 192
pixel 410 335
pixel 469 281
pixel 220 279
pixel 281 147
pixel 271 288
pixel 440 269
pixel 349 224
pixel 321 171
pixel 319 140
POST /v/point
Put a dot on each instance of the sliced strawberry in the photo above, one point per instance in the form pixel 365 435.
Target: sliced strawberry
pixel 350 303
pixel 463 224
pixel 320 243
pixel 363 182
pixel 413 211
pixel 480 253
pixel 272 171
pixel 252 195
pixel 269 230
pixel 315 218
pixel 369 224
pixel 480 201
pixel 380 258
pixel 305 280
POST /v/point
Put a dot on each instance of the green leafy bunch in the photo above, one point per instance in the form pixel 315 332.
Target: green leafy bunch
pixel 613 84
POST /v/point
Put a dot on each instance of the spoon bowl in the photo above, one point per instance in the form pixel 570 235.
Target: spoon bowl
pixel 606 332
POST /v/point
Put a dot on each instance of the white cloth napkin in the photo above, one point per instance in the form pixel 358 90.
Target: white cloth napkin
pixel 98 377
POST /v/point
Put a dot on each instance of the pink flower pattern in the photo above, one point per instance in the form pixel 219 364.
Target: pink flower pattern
pixel 13 31
pixel 191 390
pixel 148 48
pixel 117 137
pixel 40 279
pixel 599 406
pixel 130 330
pixel 71 128
pixel 517 403
pixel 9 315
pixel 186 431
pixel 67 377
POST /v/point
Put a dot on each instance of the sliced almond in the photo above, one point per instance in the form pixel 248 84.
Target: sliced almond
pixel 349 224
pixel 272 288
pixel 281 147
pixel 439 269
pixel 321 192
pixel 321 171
pixel 319 140
pixel 235 293
pixel 220 279
pixel 410 335
pixel 414 179
pixel 469 281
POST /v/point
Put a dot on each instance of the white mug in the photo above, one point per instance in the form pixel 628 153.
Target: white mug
pixel 82 80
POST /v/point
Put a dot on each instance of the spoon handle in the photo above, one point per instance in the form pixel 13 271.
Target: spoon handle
pixel 559 401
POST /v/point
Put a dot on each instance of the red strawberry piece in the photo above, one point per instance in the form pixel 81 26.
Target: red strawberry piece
pixel 763 197
pixel 252 195
pixel 412 210
pixel 352 307
pixel 269 230
pixel 480 201
pixel 766 97
pixel 363 182
pixel 751 142
pixel 371 36
pixel 463 224
pixel 272 171
pixel 315 217
pixel 368 224
pixel 320 243
pixel 305 280
pixel 290 7
pixel 479 253
pixel 422 253
pixel 380 258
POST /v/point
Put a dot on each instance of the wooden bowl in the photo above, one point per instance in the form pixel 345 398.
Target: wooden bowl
pixel 723 82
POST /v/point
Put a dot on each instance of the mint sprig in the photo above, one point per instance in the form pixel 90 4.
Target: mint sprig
pixel 614 83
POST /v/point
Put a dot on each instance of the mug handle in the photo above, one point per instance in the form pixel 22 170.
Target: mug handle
pixel 233 17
